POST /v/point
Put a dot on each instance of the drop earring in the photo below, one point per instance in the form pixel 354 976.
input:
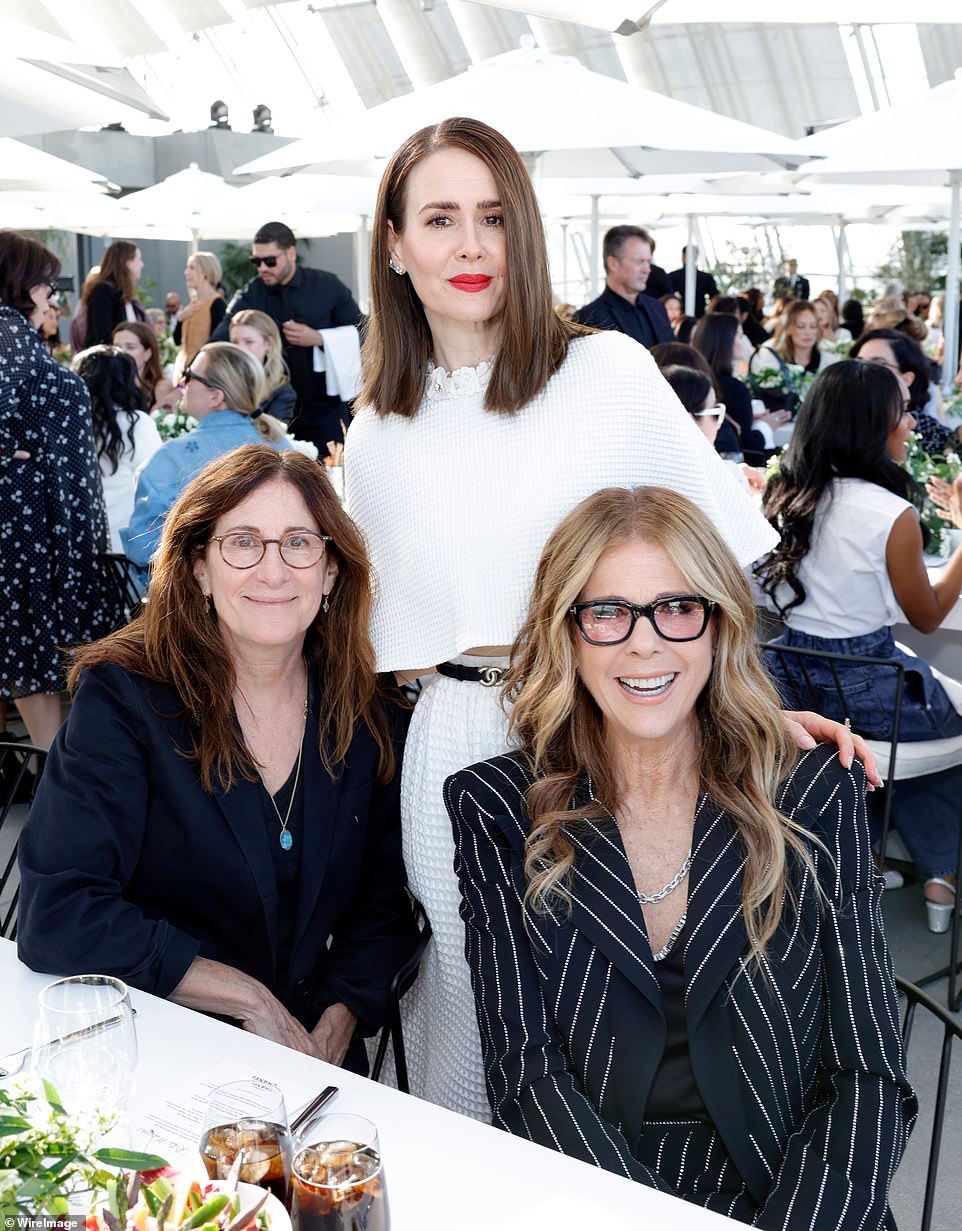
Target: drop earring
pixel 207 603
pixel 326 606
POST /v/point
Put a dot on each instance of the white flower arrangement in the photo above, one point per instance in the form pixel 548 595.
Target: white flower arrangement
pixel 173 423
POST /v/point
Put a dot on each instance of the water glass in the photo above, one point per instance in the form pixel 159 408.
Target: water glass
pixel 85 1044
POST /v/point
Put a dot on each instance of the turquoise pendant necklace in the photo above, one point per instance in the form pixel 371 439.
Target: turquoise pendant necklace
pixel 285 837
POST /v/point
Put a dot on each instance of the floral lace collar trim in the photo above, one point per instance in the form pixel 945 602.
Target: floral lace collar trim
pixel 461 381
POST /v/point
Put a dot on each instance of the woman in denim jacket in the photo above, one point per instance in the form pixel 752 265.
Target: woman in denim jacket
pixel 850 558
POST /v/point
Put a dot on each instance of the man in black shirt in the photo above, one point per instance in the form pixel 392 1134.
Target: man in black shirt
pixel 622 304
pixel 307 304
pixel 705 286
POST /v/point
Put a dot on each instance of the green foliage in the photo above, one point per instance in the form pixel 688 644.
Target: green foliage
pixel 235 260
pixel 745 266
pixel 923 467
pixel 45 1159
pixel 917 260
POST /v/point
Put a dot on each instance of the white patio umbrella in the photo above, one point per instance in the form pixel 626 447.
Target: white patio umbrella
pixel 90 213
pixel 566 119
pixel 25 169
pixel 191 201
pixel 916 143
pixel 48 84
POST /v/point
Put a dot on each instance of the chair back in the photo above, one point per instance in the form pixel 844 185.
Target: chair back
pixel 20 768
pixel 124 584
pixel 403 979
pixel 951 1028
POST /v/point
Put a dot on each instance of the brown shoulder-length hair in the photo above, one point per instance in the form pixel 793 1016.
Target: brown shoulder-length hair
pixel 177 642
pixel 744 749
pixel 783 332
pixel 153 368
pixel 397 344
pixel 24 264
pixel 113 269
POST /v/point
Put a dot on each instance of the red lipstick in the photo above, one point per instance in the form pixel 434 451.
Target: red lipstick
pixel 471 282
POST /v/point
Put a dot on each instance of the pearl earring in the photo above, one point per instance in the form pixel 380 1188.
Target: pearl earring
pixel 398 269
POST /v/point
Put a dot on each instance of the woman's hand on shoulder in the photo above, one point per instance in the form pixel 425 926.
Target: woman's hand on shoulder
pixel 807 728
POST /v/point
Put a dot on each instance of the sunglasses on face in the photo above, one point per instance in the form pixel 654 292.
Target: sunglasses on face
pixel 713 412
pixel 201 380
pixel 258 261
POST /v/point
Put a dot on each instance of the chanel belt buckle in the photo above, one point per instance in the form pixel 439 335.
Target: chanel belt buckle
pixel 490 676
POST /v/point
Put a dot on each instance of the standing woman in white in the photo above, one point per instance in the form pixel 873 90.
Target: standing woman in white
pixel 485 419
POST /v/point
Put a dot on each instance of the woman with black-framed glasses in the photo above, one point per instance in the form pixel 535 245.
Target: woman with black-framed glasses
pixel 671 915
pixel 223 390
pixel 219 819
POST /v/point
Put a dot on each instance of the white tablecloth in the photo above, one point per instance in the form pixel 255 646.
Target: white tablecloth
pixel 442 1169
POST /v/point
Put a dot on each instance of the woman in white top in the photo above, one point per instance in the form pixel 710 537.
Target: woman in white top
pixel 850 557
pixel 485 418
pixel 829 330
pixel 125 437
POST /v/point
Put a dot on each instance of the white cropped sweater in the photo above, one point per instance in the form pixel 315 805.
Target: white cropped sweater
pixel 457 503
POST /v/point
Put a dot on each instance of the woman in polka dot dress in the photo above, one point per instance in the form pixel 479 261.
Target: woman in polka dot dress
pixel 53 528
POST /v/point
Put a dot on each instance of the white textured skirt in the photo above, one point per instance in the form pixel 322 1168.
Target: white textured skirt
pixel 454 724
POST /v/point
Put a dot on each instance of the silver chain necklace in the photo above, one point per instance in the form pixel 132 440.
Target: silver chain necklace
pixel 649 899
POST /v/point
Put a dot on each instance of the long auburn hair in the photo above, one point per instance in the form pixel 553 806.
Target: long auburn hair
pixel 177 642
pixel 841 433
pixel 744 750
pixel 153 372
pixel 113 269
pixel 398 345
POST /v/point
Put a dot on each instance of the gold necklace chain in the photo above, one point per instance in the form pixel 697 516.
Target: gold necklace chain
pixel 285 837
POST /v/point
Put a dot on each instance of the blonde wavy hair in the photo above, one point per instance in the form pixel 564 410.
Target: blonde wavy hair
pixel 745 750
pixel 240 378
pixel 275 370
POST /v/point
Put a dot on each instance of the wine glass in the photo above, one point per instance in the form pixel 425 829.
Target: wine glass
pixel 248 1118
pixel 337 1182
pixel 85 1044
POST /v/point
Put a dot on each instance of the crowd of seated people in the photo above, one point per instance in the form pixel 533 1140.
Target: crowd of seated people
pixel 597 797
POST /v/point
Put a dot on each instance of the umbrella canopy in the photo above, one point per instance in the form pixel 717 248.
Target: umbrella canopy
pixel 190 203
pixel 48 84
pixel 25 169
pixel 918 143
pixel 569 120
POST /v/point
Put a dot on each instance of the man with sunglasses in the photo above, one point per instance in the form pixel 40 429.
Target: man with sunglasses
pixel 318 318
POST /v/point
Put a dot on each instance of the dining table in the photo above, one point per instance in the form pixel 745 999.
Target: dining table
pixel 442 1169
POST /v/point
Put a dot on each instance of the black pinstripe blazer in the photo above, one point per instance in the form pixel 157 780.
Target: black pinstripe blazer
pixel 800 1064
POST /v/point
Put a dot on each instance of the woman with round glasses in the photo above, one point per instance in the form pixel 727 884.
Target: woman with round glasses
pixel 848 565
pixel 457 468
pixel 223 799
pixel 672 919
pixel 223 390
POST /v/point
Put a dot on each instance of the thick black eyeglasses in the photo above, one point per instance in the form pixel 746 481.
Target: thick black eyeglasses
pixel 258 261
pixel 609 621
pixel 299 549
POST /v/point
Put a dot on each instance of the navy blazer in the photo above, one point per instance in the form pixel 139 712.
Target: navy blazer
pixel 799 1065
pixel 612 311
pixel 129 868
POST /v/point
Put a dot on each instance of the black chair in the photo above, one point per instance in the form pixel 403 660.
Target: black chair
pixel 20 768
pixel 124 584
pixel 403 979
pixel 915 998
pixel 895 761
